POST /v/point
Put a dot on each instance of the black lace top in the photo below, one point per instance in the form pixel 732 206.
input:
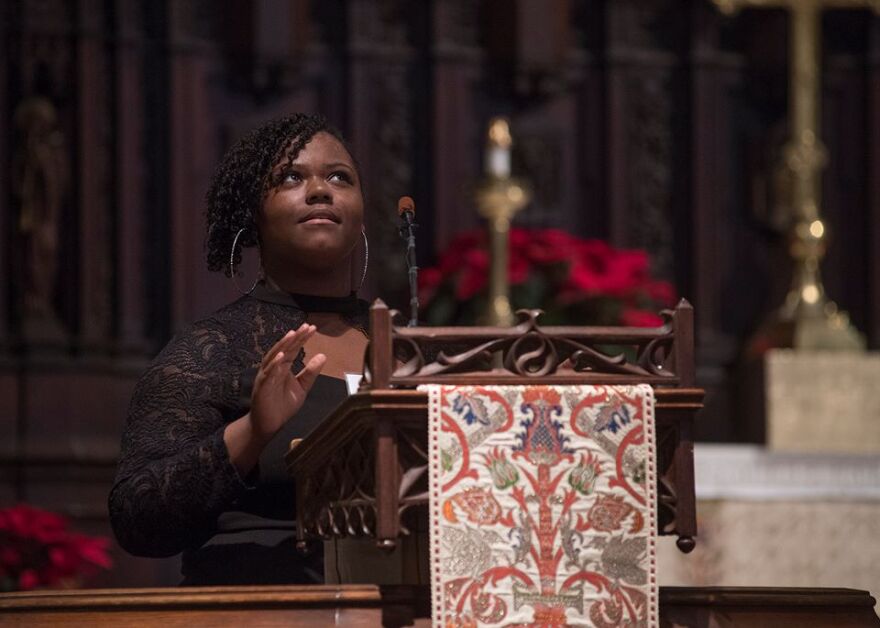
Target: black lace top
pixel 176 489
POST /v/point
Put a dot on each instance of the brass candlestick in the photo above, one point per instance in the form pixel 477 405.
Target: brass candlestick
pixel 499 198
pixel 808 319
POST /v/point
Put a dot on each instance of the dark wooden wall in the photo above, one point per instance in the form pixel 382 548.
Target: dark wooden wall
pixel 651 123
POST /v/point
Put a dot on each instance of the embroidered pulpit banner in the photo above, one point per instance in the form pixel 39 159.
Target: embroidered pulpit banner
pixel 542 505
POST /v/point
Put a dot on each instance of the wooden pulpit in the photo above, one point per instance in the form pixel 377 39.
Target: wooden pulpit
pixel 363 472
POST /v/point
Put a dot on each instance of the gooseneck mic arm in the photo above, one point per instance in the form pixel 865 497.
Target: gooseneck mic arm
pixel 406 207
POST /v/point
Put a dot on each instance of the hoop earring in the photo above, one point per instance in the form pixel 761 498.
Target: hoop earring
pixel 366 260
pixel 232 266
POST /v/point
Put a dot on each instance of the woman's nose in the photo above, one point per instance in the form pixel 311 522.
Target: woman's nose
pixel 318 191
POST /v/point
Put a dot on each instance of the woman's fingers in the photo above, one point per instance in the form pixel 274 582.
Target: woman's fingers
pixel 290 343
pixel 311 371
pixel 269 370
pixel 278 346
pixel 278 359
pixel 296 342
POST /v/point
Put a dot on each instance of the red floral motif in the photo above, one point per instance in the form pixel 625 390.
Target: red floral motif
pixel 608 512
pixel 550 616
pixel 488 608
pixel 478 504
pixel 460 621
pixel 606 613
pixel 535 395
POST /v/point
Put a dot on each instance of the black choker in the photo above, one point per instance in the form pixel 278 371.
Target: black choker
pixel 348 305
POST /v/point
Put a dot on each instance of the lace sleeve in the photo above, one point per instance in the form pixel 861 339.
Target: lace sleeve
pixel 174 475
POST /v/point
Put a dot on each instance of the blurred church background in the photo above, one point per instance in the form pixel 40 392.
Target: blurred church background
pixel 651 124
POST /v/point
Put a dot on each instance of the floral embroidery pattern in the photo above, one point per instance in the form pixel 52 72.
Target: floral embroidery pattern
pixel 542 506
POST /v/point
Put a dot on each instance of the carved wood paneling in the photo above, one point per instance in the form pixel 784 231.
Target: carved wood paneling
pixel 715 74
pixel 381 127
pixel 192 161
pixel 844 192
pixel 872 105
pixel 640 97
pixel 456 60
pixel 6 51
pixel 625 115
pixel 130 181
pixel 94 140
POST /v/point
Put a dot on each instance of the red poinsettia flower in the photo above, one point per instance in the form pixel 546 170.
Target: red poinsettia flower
pixel 631 317
pixel 37 549
pixel 453 259
pixel 518 267
pixel 28 579
pixel 573 280
pixel 429 281
pixel 474 274
pixel 583 280
pixel 551 246
pixel 625 271
pixel 661 292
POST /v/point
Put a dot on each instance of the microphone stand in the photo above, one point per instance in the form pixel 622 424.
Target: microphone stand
pixel 407 232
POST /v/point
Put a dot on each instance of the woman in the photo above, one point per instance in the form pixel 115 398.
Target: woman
pixel 201 470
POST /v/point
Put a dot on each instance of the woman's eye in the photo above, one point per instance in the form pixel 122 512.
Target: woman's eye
pixel 340 176
pixel 291 177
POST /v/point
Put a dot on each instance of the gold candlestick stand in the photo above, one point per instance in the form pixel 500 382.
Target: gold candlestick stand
pixel 499 198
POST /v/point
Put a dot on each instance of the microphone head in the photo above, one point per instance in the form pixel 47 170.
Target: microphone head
pixel 406 204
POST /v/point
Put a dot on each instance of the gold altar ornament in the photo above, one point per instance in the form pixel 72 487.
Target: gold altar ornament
pixel 808 319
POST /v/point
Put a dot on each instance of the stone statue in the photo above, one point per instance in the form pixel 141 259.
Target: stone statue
pixel 40 182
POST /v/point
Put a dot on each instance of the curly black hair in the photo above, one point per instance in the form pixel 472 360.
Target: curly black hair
pixel 245 175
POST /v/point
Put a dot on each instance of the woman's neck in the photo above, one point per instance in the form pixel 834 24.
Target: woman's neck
pixel 330 284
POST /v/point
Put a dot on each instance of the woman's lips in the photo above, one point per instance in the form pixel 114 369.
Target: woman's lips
pixel 320 217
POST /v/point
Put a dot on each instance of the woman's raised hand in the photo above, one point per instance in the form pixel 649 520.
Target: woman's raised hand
pixel 279 393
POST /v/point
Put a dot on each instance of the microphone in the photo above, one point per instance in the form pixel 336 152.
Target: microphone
pixel 406 209
pixel 405 205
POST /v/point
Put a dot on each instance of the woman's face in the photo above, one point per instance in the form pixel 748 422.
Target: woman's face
pixel 313 219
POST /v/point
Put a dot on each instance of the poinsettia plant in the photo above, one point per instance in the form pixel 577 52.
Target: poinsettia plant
pixel 575 281
pixel 38 550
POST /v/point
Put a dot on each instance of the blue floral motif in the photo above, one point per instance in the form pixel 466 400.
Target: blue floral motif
pixel 542 434
pixel 612 417
pixel 463 406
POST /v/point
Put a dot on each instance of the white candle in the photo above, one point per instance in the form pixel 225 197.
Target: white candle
pixel 498 149
pixel 498 161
